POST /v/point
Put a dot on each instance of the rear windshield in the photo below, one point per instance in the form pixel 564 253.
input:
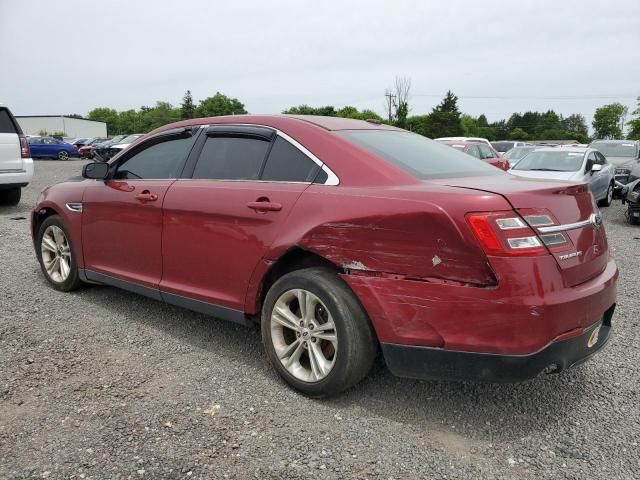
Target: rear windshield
pixel 558 161
pixel 417 155
pixel 616 149
pixel 7 124
pixel 502 146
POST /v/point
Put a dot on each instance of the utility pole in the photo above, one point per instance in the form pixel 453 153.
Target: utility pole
pixel 390 103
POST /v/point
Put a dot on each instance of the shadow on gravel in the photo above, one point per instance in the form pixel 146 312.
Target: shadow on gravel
pixel 524 407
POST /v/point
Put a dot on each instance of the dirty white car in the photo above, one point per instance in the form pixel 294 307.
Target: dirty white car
pixel 16 165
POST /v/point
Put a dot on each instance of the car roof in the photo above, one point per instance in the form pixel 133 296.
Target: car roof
pixel 462 143
pixel 565 149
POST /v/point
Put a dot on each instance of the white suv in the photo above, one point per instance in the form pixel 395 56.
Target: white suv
pixel 16 165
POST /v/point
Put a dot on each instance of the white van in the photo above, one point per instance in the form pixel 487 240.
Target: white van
pixel 16 165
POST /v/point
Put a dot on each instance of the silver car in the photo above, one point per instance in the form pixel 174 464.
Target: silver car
pixel 624 155
pixel 578 164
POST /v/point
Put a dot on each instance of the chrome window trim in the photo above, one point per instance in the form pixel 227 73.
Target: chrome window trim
pixel 332 178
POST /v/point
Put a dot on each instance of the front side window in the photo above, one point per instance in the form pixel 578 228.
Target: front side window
pixel 231 158
pixel 288 164
pixel 156 162
pixel 417 155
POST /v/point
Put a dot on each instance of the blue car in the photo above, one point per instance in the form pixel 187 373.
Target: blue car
pixel 49 147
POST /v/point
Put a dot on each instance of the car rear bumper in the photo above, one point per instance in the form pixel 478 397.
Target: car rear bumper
pixel 437 363
pixel 20 177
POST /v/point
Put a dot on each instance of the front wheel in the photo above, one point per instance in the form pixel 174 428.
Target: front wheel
pixel 63 155
pixel 56 255
pixel 606 201
pixel 316 334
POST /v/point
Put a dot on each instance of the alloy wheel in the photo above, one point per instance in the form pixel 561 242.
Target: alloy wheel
pixel 62 155
pixel 56 253
pixel 304 335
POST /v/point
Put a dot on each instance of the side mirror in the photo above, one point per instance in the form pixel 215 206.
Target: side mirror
pixel 95 171
pixel 596 167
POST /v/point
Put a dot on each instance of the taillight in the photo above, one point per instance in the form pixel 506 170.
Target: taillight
pixel 24 147
pixel 75 147
pixel 508 233
pixel 505 234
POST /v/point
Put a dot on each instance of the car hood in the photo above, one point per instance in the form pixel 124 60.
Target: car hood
pixel 546 175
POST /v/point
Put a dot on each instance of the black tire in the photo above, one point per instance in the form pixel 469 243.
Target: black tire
pixel 72 282
pixel 356 345
pixel 11 196
pixel 632 220
pixel 606 201
pixel 63 155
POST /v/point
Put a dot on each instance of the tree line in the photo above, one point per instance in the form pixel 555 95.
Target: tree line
pixel 444 120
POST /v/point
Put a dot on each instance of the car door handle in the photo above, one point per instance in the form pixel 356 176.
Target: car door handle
pixel 147 196
pixel 265 206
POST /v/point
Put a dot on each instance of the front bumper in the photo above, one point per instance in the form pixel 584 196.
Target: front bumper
pixel 437 363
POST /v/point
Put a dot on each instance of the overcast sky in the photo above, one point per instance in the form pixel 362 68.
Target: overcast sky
pixel 68 56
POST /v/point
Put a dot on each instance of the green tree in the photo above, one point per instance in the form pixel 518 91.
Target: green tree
pixel 107 115
pixel 575 123
pixel 470 126
pixel 187 108
pixel 609 120
pixel 154 117
pixel 219 105
pixel 518 134
pixel 420 124
pixel 634 124
pixel 327 111
pixel 482 121
pixel 75 115
pixel 129 122
pixel 445 118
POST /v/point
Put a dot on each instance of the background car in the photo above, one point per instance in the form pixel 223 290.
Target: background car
pixel 517 153
pixel 463 139
pixel 576 163
pixel 16 166
pixel 480 150
pixel 79 142
pixel 49 147
pixel 503 146
pixel 87 151
pixel 107 150
pixel 624 155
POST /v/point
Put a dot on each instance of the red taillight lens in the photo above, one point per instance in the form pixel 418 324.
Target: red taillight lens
pixel 505 234
pixel 24 147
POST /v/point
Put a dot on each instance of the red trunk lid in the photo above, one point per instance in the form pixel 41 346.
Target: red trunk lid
pixel 568 203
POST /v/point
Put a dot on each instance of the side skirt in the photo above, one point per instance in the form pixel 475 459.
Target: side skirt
pixel 210 309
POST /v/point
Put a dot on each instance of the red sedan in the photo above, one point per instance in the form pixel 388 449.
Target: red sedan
pixel 482 151
pixel 342 238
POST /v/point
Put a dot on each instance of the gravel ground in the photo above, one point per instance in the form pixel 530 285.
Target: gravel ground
pixel 105 384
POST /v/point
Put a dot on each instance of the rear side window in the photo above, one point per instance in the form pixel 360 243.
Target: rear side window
pixel 417 155
pixel 231 158
pixel 486 152
pixel 156 162
pixel 288 164
pixel 6 122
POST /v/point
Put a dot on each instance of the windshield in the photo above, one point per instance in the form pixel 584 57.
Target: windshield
pixel 518 153
pixel 557 161
pixel 130 139
pixel 616 149
pixel 417 155
pixel 502 146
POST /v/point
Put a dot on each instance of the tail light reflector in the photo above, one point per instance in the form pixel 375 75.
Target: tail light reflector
pixel 505 234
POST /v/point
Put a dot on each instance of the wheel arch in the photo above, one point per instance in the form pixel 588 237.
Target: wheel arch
pixel 39 216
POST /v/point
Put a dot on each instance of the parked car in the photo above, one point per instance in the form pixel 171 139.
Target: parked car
pixel 463 139
pixel 576 164
pixel 517 153
pixel 481 151
pixel 109 149
pixel 49 147
pixel 504 146
pixel 80 142
pixel 624 155
pixel 631 196
pixel 341 238
pixel 87 151
pixel 16 165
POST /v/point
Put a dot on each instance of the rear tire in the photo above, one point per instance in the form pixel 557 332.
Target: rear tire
pixel 63 155
pixel 606 201
pixel 340 345
pixel 57 256
pixel 11 196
